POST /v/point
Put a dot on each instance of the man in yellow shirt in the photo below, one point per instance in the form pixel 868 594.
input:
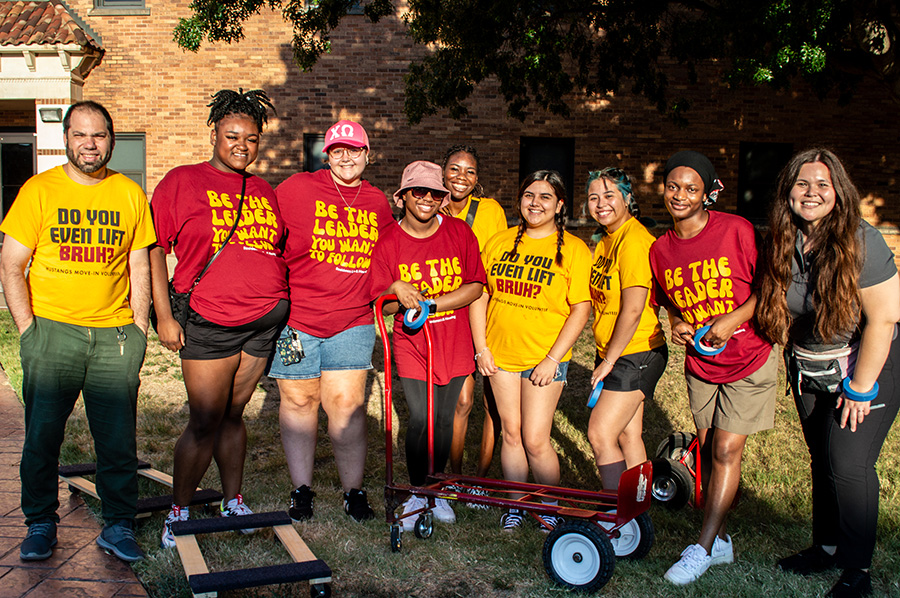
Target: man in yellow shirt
pixel 82 313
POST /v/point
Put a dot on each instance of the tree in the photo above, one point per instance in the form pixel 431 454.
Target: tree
pixel 544 51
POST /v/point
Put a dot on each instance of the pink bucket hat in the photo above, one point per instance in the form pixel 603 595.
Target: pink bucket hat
pixel 422 174
pixel 348 133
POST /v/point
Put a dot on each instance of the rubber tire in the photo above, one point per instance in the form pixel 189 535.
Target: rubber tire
pixel 675 446
pixel 578 555
pixel 320 590
pixel 672 484
pixel 424 526
pixel 635 537
pixel 396 539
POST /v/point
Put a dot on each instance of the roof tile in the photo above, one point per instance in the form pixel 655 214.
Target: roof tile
pixel 40 23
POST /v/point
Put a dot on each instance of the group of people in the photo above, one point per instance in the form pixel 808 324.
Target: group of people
pixel 282 281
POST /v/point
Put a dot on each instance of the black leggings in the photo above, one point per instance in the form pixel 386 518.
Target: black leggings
pixel 844 481
pixel 445 398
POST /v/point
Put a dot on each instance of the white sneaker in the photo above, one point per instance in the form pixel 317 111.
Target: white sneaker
pixel 236 508
pixel 693 563
pixel 443 512
pixel 175 514
pixel 722 551
pixel 413 503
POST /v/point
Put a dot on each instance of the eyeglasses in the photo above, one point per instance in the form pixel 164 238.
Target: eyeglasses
pixel 421 192
pixel 351 152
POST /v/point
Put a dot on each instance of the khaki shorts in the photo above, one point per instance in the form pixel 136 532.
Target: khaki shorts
pixel 743 407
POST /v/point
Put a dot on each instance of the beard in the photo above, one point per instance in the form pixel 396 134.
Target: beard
pixel 87 167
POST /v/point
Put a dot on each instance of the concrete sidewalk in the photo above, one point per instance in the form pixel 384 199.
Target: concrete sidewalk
pixel 78 566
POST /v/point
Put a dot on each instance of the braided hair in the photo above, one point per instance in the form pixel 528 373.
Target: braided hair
pixel 254 103
pixel 559 189
pixel 478 191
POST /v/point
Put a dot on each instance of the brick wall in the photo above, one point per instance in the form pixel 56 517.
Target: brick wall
pixel 152 86
pixel 17 118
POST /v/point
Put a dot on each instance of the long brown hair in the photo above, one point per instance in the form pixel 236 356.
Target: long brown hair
pixel 559 188
pixel 838 255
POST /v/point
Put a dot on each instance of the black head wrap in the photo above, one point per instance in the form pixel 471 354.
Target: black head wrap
pixel 702 166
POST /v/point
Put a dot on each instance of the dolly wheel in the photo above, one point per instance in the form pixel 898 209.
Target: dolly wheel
pixel 672 483
pixel 634 539
pixel 320 590
pixel 579 555
pixel 424 526
pixel 675 446
pixel 396 541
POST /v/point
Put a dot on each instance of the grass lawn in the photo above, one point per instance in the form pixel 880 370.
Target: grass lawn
pixel 472 557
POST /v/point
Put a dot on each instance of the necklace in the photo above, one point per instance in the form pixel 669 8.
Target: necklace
pixel 338 189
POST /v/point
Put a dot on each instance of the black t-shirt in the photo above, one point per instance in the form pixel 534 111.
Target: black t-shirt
pixel 878 266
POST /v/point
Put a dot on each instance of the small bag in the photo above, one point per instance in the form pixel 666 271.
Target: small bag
pixel 181 305
pixel 821 369
pixel 290 349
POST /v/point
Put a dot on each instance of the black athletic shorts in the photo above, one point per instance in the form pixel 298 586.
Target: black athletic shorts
pixel 638 371
pixel 207 340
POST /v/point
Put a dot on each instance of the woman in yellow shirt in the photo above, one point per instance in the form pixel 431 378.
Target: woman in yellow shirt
pixel 631 346
pixel 538 304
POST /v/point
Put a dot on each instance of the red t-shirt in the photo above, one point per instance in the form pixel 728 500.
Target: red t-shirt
pixel 707 276
pixel 193 211
pixel 330 240
pixel 436 265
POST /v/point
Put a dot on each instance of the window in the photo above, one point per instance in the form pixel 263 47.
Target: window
pixel 313 157
pixel 355 9
pixel 119 8
pixel 549 153
pixel 129 157
pixel 758 169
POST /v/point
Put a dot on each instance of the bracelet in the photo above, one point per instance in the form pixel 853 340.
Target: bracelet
pixel 612 363
pixel 550 357
pixel 480 353
pixel 861 397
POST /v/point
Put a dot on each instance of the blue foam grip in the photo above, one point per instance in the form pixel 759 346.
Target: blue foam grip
pixel 419 321
pixel 595 395
pixel 861 397
pixel 705 349
pixel 258 576
pixel 229 524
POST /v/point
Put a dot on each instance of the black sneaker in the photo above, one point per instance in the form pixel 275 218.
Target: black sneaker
pixel 118 539
pixel 356 504
pixel 302 503
pixel 806 562
pixel 852 584
pixel 38 544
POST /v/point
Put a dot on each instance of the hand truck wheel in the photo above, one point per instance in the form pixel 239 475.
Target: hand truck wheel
pixel 579 555
pixel 424 526
pixel 396 541
pixel 634 539
pixel 672 483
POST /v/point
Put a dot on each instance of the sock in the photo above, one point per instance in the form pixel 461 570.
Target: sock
pixel 609 474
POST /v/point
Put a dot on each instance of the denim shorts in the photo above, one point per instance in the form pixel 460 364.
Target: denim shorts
pixel 561 370
pixel 347 350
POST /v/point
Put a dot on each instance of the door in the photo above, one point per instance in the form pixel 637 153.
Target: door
pixel 18 162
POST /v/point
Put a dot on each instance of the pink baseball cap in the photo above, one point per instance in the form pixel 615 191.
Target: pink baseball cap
pixel 422 173
pixel 346 132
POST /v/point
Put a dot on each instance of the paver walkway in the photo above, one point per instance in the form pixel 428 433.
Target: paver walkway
pixel 78 566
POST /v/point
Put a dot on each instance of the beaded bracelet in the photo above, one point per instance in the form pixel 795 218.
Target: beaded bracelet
pixel 860 397
pixel 480 353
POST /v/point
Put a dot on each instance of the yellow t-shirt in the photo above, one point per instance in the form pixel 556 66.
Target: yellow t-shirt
pixel 622 260
pixel 490 219
pixel 531 296
pixel 81 236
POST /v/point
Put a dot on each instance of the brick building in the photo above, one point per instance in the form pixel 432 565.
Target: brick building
pixel 121 53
